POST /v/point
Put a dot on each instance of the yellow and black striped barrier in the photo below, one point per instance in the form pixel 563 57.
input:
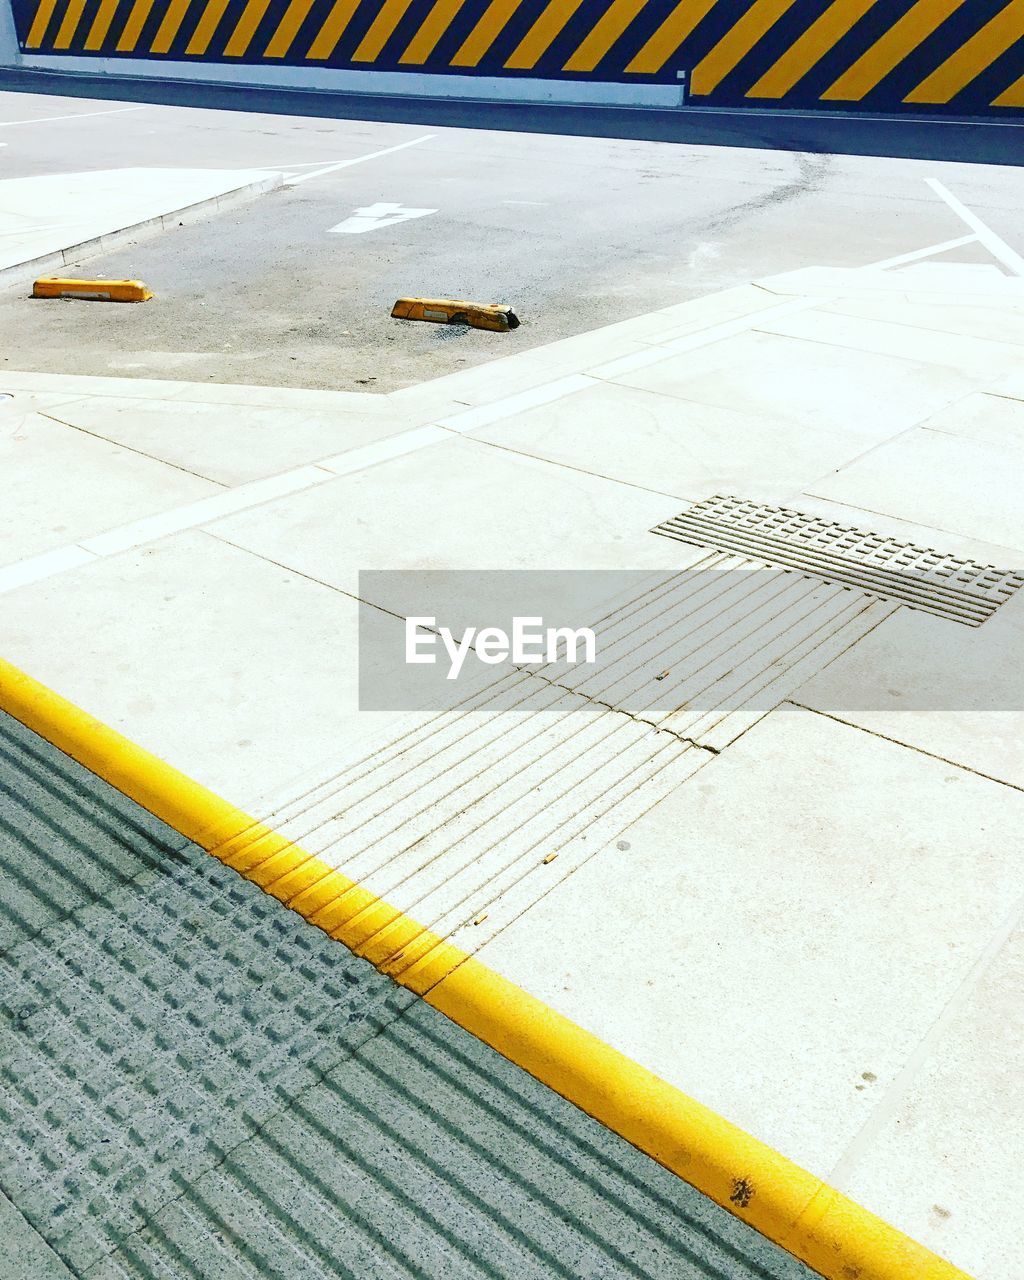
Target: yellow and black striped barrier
pixel 963 57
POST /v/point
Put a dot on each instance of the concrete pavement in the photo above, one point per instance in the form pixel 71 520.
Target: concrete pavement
pixel 812 927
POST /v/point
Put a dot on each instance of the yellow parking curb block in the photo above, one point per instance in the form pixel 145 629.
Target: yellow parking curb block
pixel 91 290
pixel 477 315
pixel 809 1219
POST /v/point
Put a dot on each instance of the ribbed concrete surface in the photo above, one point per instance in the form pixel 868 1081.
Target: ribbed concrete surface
pixel 709 651
pixel 66 843
pixel 467 820
pixel 479 812
pixel 195 1083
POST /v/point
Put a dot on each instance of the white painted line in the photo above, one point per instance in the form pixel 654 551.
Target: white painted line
pixel 996 246
pixel 373 216
pixel 343 464
pixel 344 164
pixel 918 254
pixel 702 338
pixel 202 512
pixel 638 360
pixel 519 403
pixel 44 566
pixel 80 115
pixel 219 505
pixel 299 164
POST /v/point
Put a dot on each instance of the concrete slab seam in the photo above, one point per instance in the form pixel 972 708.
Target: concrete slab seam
pixel 241 497
pixel 798 1211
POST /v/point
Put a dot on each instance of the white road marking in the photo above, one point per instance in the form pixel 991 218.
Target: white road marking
pixel 79 115
pixel 344 464
pixel 374 216
pixel 918 254
pixel 194 515
pixel 753 321
pixel 203 511
pixel 43 566
pixel 996 246
pixel 498 410
pixel 303 164
pixel 344 164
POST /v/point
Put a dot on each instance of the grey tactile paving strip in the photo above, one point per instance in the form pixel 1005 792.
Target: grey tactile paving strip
pixel 153 1032
pixel 919 577
pixel 24 1254
pixel 196 1083
pixel 64 845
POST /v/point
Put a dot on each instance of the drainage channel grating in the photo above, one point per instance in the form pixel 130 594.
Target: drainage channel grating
pixel 960 590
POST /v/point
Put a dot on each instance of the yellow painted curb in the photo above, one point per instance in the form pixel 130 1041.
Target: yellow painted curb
pixel 815 1223
pixel 91 290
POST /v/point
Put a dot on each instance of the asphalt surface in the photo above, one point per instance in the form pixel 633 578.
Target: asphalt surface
pixel 919 135
pixel 195 1082
pixel 575 232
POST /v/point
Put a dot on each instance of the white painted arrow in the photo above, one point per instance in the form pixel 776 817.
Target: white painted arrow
pixel 377 215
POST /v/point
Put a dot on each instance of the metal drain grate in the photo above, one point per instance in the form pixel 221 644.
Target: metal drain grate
pixel 961 590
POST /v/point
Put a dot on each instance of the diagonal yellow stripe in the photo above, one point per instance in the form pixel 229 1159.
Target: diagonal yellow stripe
pixel 333 29
pixel 736 44
pixel 206 26
pixel 39 23
pixel 288 28
pixel 436 23
pixel 173 19
pixel 391 14
pixel 101 24
pixel 241 37
pixel 683 19
pixel 133 27
pixel 1012 97
pixel 72 17
pixel 902 38
pixel 806 52
pixel 538 39
pixel 973 56
pixel 604 35
pixel 486 31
